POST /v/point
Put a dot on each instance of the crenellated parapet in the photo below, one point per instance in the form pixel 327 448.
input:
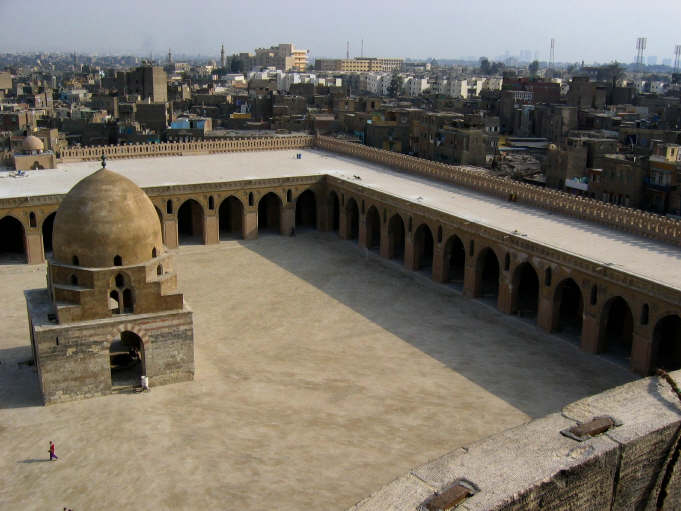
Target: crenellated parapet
pixel 91 153
pixel 630 220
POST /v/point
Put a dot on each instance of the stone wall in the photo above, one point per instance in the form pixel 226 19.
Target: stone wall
pixel 617 217
pixel 73 359
pixel 598 285
pixel 634 465
pixel 186 148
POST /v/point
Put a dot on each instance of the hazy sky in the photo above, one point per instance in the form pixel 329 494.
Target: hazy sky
pixel 590 30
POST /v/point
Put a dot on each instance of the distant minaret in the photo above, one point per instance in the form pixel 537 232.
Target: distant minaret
pixel 170 57
pixel 222 57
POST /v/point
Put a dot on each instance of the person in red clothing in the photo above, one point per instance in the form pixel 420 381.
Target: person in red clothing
pixel 53 456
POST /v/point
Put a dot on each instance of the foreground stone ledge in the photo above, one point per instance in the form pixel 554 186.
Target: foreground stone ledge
pixel 533 466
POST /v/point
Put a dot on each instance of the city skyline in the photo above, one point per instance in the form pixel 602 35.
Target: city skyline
pixel 443 30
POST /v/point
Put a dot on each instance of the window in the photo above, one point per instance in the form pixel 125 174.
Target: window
pixel 211 202
pixel 159 270
pixel 507 262
pixel 153 252
pixel 128 305
pixel 250 199
pixel 169 207
pixel 289 196
pixel 31 219
pixel 594 295
pixel 547 277
pixel 120 280
pixel 114 303
pixel 118 260
pixel 74 280
pixel 74 261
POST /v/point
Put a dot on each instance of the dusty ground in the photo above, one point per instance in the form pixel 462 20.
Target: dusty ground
pixel 321 375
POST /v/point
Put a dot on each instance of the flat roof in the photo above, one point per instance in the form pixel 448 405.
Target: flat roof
pixel 636 255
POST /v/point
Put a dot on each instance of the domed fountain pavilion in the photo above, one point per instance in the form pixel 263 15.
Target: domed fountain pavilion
pixel 111 311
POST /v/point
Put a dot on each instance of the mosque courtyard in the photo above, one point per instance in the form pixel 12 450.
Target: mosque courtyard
pixel 322 373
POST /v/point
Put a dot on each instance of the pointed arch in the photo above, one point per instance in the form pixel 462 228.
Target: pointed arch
pixel 423 248
pixel 306 210
pixel 46 229
pixel 126 360
pixel 568 308
pixel 525 291
pixel 269 213
pixel 12 240
pixel 667 343
pixel 190 221
pixel 616 328
pixel 487 274
pixel 230 218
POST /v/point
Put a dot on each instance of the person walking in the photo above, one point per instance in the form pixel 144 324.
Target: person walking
pixel 53 456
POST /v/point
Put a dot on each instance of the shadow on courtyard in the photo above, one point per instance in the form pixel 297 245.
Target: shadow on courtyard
pixel 18 379
pixel 534 372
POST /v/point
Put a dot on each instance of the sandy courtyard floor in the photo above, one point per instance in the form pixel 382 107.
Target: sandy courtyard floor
pixel 321 375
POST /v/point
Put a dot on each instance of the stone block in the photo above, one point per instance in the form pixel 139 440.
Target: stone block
pixel 650 416
pixel 531 467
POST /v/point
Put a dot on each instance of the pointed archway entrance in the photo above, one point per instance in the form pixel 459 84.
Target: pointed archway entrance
pixel 126 361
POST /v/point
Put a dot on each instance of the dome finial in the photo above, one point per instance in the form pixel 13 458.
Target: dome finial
pixel 103 160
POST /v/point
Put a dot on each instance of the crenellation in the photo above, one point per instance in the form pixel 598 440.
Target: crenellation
pixel 89 153
pixel 619 217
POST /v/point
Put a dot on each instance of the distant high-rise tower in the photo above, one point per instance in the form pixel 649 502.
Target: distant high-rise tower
pixel 552 56
pixel 347 50
pixel 222 56
pixel 170 57
pixel 677 57
pixel 641 43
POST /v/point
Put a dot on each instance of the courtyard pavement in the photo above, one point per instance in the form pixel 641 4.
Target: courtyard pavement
pixel 322 373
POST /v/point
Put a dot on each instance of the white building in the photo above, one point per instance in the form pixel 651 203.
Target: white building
pixel 457 89
pixel 493 83
pixel 330 82
pixel 439 85
pixel 474 86
pixel 414 86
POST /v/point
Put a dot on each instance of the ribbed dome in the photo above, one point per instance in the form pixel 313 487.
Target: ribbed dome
pixel 103 217
pixel 32 143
